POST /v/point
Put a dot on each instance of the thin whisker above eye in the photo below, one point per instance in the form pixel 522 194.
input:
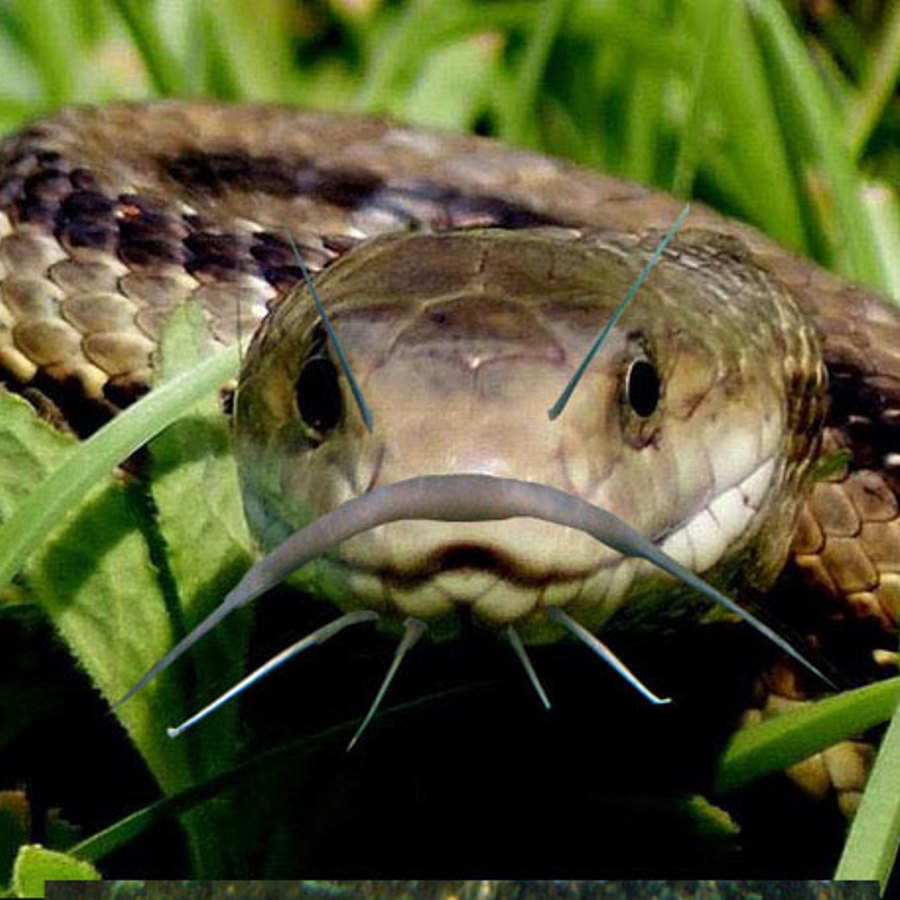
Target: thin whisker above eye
pixel 560 404
pixel 364 410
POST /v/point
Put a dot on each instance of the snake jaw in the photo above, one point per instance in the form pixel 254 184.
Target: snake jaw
pixel 455 498
pixel 502 572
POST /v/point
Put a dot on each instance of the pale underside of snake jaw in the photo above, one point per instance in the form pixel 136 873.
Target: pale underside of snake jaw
pixel 110 217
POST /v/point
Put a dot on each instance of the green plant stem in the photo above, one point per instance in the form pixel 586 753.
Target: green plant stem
pixel 132 826
pixel 871 846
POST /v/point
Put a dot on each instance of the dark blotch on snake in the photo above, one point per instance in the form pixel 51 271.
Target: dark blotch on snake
pixel 49 185
pixel 347 189
pixel 84 220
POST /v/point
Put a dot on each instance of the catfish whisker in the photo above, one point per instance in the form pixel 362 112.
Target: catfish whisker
pixel 319 636
pixel 414 629
pixel 457 498
pixel 519 648
pixel 561 617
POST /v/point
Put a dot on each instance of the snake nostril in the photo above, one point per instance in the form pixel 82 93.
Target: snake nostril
pixel 642 387
pixel 319 394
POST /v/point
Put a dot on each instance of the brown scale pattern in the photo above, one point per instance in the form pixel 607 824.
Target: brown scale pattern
pixel 81 314
pixel 848 544
pixel 848 540
pixel 90 274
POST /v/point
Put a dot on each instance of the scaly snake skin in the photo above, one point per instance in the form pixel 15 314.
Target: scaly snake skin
pixel 109 217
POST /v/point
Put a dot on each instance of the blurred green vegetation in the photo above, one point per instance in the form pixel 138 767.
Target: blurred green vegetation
pixel 784 115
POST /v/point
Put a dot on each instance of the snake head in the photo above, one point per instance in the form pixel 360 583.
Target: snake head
pixel 429 514
pixel 691 424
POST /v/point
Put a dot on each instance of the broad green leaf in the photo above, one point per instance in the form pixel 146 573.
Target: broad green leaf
pixel 200 516
pixel 36 865
pixel 30 449
pixel 92 575
pixel 94 458
pixel 96 581
pixel 205 550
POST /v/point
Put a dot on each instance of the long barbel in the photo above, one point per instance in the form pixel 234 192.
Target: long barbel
pixel 455 498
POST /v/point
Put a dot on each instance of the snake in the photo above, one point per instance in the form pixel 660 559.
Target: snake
pixel 467 280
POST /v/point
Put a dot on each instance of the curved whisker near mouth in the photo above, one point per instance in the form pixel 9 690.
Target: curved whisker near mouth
pixel 456 498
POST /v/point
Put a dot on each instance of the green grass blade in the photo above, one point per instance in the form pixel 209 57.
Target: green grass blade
pixel 643 133
pixel 814 131
pixel 161 65
pixel 393 51
pixel 884 210
pixel 690 140
pixel 519 121
pixel 252 46
pixel 871 846
pixel 879 83
pixel 777 743
pixel 45 26
pixel 95 457
pixel 12 28
pixel 401 48
pixel 752 151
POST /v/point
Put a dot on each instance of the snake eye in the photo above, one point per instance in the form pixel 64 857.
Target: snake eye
pixel 319 393
pixel 642 387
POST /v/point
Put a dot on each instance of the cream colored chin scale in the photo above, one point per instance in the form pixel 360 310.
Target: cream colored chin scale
pixel 461 498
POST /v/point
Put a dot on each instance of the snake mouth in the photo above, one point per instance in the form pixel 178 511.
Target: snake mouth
pixel 468 556
pixel 512 571
pixel 455 498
